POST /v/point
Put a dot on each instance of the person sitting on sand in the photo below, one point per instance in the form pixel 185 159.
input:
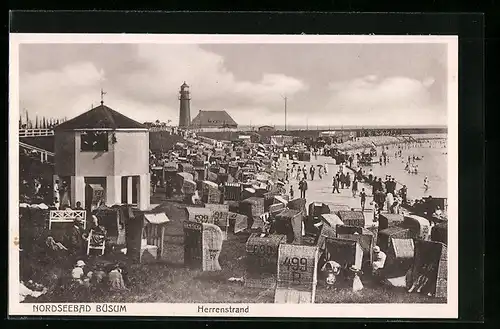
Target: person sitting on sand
pixel 331 269
pixel 423 279
pixel 76 239
pixel 78 273
pixel 53 245
pixel 357 285
pixel 379 258
pixel 98 275
pixel 115 279
pixel 24 292
pixel 438 213
pixel 195 198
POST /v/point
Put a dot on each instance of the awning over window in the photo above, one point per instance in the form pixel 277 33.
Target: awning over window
pixel 96 187
pixel 159 218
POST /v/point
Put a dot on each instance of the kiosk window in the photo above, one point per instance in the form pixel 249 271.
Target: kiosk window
pixel 94 141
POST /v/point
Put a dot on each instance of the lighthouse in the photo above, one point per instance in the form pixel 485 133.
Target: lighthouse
pixel 184 106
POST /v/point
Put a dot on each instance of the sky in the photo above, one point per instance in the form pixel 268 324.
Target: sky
pixel 325 84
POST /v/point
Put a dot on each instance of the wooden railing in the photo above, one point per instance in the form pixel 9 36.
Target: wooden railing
pixel 35 132
pixel 44 154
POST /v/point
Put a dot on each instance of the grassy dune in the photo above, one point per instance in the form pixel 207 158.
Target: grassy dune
pixel 167 281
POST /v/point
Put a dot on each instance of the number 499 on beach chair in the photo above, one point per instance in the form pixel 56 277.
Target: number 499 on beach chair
pixel 96 241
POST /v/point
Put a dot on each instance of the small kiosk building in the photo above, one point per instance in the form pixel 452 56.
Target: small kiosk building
pixel 102 156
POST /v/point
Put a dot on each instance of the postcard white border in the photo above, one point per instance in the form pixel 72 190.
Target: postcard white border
pixel 448 310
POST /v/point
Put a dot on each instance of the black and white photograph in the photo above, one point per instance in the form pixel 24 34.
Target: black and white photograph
pixel 233 175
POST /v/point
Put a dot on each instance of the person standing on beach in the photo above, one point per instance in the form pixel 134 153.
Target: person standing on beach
pixel 354 187
pixel 370 176
pixel 363 199
pixel 374 185
pixel 303 188
pixel 426 183
pixel 391 185
pixel 379 199
pixel 312 170
pixel 56 190
pixel 390 202
pixel 381 186
pixel 336 179
pixel 403 192
pixel 348 180
pixel 168 189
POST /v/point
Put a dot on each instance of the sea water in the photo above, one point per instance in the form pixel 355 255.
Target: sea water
pixel 433 164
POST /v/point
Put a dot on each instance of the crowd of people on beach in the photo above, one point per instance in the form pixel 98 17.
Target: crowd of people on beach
pixel 386 195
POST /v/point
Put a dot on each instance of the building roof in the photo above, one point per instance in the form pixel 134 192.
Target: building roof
pixel 212 119
pixel 100 117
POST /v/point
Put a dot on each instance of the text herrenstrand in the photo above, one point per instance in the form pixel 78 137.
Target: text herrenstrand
pixel 223 310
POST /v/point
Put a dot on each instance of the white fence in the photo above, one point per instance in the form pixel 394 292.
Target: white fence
pixel 68 216
pixel 44 154
pixel 35 132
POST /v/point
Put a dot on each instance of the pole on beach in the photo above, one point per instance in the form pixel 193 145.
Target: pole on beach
pixel 285 98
